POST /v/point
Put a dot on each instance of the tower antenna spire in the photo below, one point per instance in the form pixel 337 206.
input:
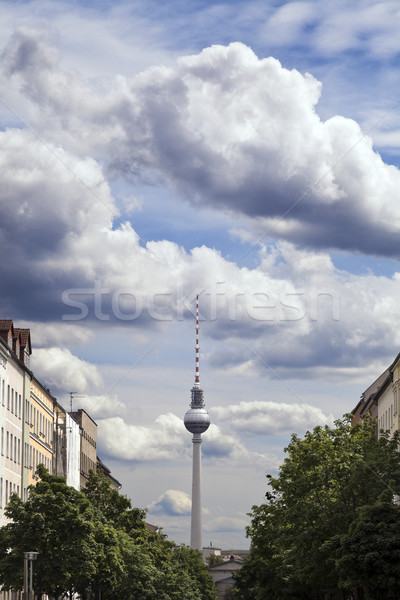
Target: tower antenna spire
pixel 197 375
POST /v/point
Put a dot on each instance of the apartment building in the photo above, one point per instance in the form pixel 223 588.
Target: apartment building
pixel 14 344
pixel 88 446
pixel 41 429
pixel 35 429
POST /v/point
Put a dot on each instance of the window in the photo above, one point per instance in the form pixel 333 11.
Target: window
pixel 11 446
pixel 12 400
pixel 2 392
pixel 19 451
pixel 6 491
pixel 8 397
pixel 1 492
pixel 19 406
pixel 2 441
pixel 7 445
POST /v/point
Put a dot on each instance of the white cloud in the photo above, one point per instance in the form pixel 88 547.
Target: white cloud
pixel 166 441
pixel 44 335
pixel 225 524
pixel 294 311
pixel 172 502
pixel 270 418
pixel 102 406
pixel 228 128
pixel 61 371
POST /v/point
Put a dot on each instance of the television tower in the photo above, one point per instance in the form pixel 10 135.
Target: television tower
pixel 197 421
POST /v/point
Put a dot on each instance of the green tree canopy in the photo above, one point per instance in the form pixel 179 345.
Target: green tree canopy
pixel 56 521
pixel 94 543
pixel 325 481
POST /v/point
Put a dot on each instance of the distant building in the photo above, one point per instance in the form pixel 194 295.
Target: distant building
pixel 210 551
pixel 367 405
pixel 88 445
pixel 114 483
pixel 381 399
pixel 222 575
pixel 67 456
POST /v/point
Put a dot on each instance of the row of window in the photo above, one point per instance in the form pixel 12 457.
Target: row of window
pixel 87 464
pixel 10 488
pixel 33 456
pixel 41 425
pixel 13 446
pixel 14 400
pixel 386 421
pixel 87 437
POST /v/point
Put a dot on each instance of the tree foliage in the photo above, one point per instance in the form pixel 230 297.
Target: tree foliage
pixel 95 544
pixel 305 536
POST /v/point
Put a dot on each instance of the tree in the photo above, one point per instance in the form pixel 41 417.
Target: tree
pixel 153 566
pixel 214 559
pixel 325 480
pixel 95 544
pixel 57 522
pixel 191 560
pixel 111 506
pixel 368 555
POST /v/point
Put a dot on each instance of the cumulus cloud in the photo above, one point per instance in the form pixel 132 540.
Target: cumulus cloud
pixel 102 406
pixel 224 524
pixel 224 127
pixel 168 439
pixel 61 371
pixel 294 311
pixel 45 335
pixel 271 418
pixel 172 502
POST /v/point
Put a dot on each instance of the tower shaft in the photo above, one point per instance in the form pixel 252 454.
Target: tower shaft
pixel 196 522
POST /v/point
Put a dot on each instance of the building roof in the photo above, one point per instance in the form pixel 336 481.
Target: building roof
pixel 77 416
pixel 5 324
pixel 107 472
pixel 372 393
pixel 25 338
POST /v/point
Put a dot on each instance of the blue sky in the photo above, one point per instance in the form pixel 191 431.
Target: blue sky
pixel 244 151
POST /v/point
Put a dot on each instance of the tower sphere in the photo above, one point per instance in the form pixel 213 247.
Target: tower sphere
pixel 197 420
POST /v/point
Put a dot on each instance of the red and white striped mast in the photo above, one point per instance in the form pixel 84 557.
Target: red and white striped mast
pixel 197 348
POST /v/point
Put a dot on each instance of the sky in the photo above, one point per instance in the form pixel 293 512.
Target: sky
pixel 244 151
